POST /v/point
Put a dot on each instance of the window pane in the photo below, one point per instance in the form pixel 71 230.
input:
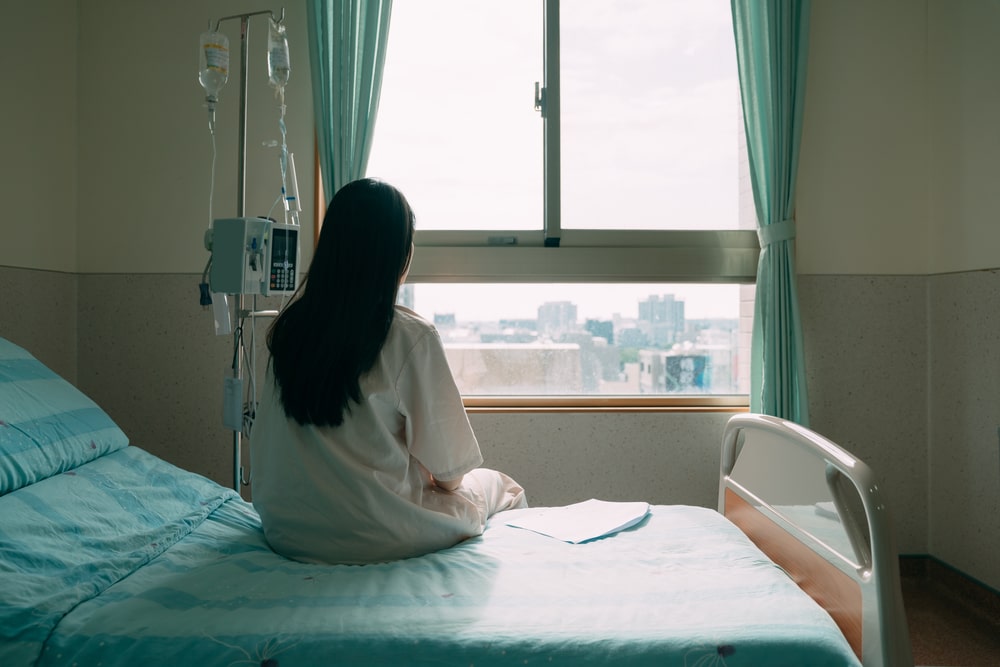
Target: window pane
pixel 572 339
pixel 457 131
pixel 651 115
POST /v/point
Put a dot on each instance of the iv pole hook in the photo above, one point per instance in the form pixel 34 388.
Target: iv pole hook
pixel 280 18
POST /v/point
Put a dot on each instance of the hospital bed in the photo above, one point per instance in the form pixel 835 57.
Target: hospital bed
pixel 111 556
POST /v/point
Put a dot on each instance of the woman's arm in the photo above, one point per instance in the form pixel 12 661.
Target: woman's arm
pixel 437 429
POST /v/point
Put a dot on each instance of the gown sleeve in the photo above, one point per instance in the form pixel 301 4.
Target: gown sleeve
pixel 438 432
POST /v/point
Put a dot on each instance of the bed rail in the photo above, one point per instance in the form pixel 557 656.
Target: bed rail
pixel 819 513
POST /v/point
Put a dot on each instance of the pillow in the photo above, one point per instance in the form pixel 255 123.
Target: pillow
pixel 47 426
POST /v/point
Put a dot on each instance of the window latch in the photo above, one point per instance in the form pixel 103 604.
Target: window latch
pixel 540 98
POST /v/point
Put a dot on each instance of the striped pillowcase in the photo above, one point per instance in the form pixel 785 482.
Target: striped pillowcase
pixel 47 426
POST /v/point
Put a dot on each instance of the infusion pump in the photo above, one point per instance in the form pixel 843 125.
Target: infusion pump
pixel 253 256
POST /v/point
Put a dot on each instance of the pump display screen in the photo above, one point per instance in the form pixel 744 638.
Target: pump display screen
pixel 284 259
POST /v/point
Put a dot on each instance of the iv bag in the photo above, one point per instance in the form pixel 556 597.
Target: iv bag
pixel 278 67
pixel 213 70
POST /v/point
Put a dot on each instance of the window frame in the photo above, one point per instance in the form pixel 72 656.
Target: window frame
pixel 588 256
pixel 554 254
pixel 626 403
pixel 557 255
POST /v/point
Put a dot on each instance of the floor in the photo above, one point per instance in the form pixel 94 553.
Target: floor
pixel 953 621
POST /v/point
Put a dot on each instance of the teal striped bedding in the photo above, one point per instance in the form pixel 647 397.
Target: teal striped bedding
pixel 127 560
pixel 47 426
pixel 71 537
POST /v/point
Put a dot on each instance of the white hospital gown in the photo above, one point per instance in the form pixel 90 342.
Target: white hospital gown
pixel 361 492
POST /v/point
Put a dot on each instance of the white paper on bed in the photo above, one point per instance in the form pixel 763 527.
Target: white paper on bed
pixel 581 522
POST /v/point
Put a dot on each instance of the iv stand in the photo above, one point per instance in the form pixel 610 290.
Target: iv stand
pixel 238 480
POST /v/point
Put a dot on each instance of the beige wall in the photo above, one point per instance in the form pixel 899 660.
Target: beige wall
pixel 964 155
pixel 145 148
pixel 963 417
pixel 38 113
pixel 900 146
pixel 862 203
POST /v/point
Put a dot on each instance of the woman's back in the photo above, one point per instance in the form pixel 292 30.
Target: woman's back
pixel 357 493
pixel 361 448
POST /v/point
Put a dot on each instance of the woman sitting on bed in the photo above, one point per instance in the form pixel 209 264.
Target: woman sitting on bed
pixel 361 448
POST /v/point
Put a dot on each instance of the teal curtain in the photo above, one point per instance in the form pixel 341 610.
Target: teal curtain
pixel 347 40
pixel 772 44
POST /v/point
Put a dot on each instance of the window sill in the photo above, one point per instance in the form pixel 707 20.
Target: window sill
pixel 494 404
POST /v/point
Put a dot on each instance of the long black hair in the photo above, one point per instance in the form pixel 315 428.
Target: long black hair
pixel 332 332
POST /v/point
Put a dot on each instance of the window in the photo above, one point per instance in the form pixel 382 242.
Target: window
pixel 456 129
pixel 650 115
pixel 574 163
pixel 623 339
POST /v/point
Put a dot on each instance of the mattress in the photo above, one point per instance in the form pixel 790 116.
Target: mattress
pixel 128 560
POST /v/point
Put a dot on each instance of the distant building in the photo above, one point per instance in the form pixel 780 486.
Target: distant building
pixel 444 320
pixel 632 337
pixel 707 367
pixel 541 368
pixel 405 296
pixel 523 325
pixel 508 336
pixel 664 372
pixel 602 329
pixel 556 318
pixel 657 353
pixel 662 318
pixel 599 362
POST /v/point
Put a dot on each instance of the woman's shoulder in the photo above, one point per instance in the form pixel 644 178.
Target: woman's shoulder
pixel 408 325
pixel 407 331
pixel 412 320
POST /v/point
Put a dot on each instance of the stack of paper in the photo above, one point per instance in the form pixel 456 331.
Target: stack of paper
pixel 582 521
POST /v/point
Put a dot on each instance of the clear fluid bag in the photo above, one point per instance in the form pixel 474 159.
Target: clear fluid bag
pixel 213 66
pixel 278 67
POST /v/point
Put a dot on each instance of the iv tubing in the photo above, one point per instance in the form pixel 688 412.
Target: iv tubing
pixel 211 186
pixel 284 151
pixel 292 198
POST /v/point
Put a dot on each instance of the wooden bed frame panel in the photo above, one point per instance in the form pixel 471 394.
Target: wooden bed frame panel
pixel 832 589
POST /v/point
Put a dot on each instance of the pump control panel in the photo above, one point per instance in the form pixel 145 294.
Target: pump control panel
pixel 283 264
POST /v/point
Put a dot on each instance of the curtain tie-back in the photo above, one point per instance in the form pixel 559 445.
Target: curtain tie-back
pixel 775 232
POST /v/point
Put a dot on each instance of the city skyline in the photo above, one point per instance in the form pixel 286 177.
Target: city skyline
pixel 493 302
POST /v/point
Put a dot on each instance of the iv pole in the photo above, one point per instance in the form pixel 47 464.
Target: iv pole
pixel 238 480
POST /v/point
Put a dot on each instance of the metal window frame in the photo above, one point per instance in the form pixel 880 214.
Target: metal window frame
pixel 588 257
pixel 551 134
pixel 556 255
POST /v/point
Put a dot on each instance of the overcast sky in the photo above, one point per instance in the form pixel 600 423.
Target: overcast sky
pixel 650 132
